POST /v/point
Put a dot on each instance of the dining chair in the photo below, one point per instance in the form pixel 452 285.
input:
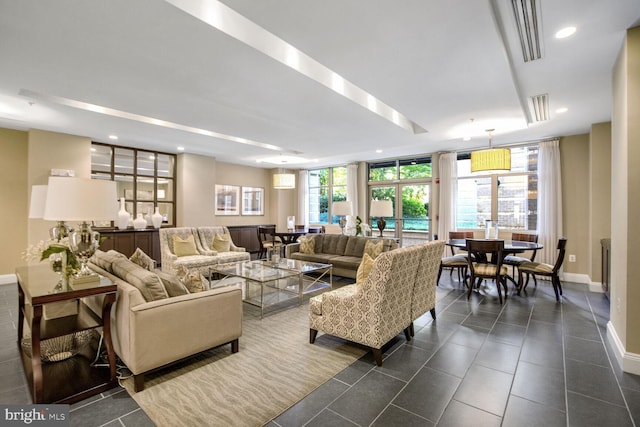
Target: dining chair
pixel 485 267
pixel 316 230
pixel 267 239
pixel 458 260
pixel 514 260
pixel 542 269
pixel 299 227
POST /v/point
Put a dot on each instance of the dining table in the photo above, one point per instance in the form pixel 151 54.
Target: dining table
pixel 290 236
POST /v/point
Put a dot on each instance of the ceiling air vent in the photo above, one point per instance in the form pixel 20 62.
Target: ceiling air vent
pixel 526 13
pixel 540 105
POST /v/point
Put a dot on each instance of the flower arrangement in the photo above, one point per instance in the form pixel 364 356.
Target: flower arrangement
pixel 59 254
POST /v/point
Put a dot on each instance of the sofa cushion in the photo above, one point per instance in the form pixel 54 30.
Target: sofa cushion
pixel 364 269
pixel 374 247
pixel 221 243
pixel 355 246
pixel 345 262
pixel 105 260
pixel 184 247
pixel 172 284
pixel 334 244
pixel 307 244
pixel 143 260
pixel 147 282
pixel 321 258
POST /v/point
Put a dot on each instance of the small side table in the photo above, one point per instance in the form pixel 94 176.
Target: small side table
pixel 73 379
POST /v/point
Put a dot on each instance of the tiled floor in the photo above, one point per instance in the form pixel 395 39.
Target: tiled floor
pixel 530 361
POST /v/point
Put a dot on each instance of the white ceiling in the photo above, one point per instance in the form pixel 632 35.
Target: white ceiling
pixel 440 63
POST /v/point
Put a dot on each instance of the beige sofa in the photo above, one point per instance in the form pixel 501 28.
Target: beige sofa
pixel 205 257
pixel 151 334
pixel 400 287
pixel 343 252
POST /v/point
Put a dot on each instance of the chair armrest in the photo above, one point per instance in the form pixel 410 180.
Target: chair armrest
pixel 209 253
pixel 291 248
pixel 238 249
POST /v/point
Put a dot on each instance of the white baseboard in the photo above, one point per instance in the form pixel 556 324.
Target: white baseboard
pixel 630 362
pixel 6 279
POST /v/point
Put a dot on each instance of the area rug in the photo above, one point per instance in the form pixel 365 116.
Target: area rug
pixel 275 368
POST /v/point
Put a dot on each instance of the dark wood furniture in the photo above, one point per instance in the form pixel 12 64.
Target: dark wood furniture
pixel 606 266
pixel 457 261
pixel 541 269
pixel 514 260
pixel 126 241
pixel 246 236
pixel 481 268
pixel 73 379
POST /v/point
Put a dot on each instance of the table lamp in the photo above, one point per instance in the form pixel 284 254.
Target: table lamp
pixel 381 208
pixel 342 209
pixel 36 211
pixel 81 200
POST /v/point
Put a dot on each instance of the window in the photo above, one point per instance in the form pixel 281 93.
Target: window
pixel 322 184
pixel 145 179
pixel 510 197
pixel 412 168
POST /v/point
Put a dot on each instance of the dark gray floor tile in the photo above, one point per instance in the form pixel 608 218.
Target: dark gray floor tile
pixel 633 401
pixel 458 414
pixel 397 417
pixel 428 393
pixel 469 336
pixel 137 418
pixel 354 372
pixel 365 400
pixel 329 418
pixel 448 317
pixel 587 412
pixel 453 359
pixel 486 389
pixel 594 381
pixel 544 353
pixel 481 319
pixel 586 351
pixel 581 327
pixel 507 333
pixel 525 413
pixel 103 410
pixel 405 362
pixel 436 333
pixel 461 307
pixel 513 317
pixel 12 375
pixel 499 356
pixel 542 331
pixel 15 396
pixel 540 384
pixel 312 404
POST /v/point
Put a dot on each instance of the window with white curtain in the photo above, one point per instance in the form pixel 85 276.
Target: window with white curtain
pixel 326 186
pixel 509 197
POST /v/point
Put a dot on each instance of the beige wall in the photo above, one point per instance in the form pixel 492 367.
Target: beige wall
pixel 574 157
pixel 599 194
pixel 14 207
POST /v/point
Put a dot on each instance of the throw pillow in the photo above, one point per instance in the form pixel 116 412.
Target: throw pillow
pixel 307 244
pixel 221 243
pixel 143 260
pixel 148 283
pixel 192 279
pixel 364 268
pixel 373 247
pixel 172 284
pixel 184 247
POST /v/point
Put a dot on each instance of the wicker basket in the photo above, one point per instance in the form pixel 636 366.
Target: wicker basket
pixel 59 348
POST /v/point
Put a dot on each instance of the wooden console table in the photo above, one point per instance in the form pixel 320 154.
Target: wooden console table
pixel 73 379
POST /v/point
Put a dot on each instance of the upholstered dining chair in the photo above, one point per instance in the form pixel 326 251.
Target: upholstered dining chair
pixel 485 267
pixel 542 269
pixel 458 260
pixel 514 260
pixel 267 239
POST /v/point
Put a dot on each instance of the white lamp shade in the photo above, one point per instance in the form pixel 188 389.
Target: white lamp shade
pixel 342 208
pixel 80 199
pixel 284 181
pixel 38 199
pixel 381 208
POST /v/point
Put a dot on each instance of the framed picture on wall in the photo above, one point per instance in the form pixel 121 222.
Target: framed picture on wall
pixel 227 200
pixel 252 201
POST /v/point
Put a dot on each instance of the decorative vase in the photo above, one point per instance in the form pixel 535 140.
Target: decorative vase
pixel 123 216
pixel 139 223
pixel 149 217
pixel 157 218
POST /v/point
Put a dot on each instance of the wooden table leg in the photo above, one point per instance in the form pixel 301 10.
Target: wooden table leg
pixel 36 361
pixel 106 327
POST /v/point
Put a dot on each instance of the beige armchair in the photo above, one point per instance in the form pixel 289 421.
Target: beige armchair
pixel 374 311
pixel 423 297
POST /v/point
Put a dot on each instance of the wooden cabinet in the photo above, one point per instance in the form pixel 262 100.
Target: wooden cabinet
pixel 126 241
pixel 246 236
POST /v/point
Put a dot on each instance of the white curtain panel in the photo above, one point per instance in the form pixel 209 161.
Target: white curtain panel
pixel 352 187
pixel 448 170
pixel 549 200
pixel 303 197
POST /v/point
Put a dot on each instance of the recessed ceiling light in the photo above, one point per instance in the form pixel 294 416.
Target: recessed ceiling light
pixel 565 32
pixel 466 138
pixel 562 110
pixel 152 157
pixel 114 137
pixel 93 150
pixel 180 148
pixel 378 151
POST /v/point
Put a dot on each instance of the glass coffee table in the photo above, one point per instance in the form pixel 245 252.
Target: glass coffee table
pixel 267 284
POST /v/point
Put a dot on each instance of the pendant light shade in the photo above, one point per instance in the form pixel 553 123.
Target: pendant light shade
pixel 284 181
pixel 493 159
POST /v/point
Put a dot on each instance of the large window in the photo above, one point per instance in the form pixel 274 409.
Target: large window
pixel 326 186
pixel 510 198
pixel 145 179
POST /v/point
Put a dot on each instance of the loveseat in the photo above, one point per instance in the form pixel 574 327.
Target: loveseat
pixel 196 249
pixel 343 252
pixel 151 328
pixel 399 287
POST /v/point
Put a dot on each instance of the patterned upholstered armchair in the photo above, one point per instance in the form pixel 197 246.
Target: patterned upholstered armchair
pixel 374 311
pixel 423 297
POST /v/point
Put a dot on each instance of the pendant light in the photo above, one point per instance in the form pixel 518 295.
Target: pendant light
pixel 493 159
